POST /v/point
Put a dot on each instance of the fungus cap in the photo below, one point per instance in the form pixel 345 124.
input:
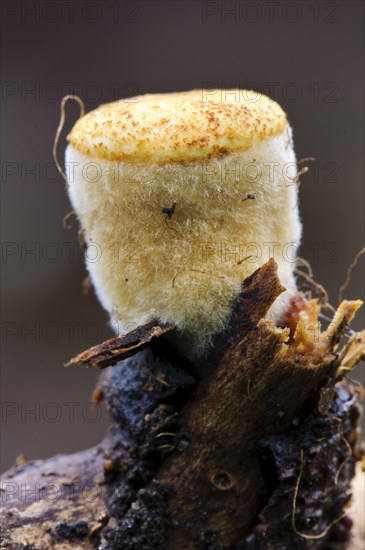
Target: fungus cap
pixel 178 127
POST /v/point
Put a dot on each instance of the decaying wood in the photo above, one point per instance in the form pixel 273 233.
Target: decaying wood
pixel 357 509
pixel 53 503
pixel 209 456
pixel 256 389
pixel 115 349
pixel 64 505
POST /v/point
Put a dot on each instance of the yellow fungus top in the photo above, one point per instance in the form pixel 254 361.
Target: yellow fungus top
pixel 178 127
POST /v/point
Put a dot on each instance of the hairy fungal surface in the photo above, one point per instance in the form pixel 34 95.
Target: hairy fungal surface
pixel 174 223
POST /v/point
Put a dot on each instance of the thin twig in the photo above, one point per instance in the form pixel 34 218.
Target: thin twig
pixel 346 283
pixel 349 455
pixel 306 159
pixel 172 228
pixel 244 259
pixel 296 490
pixel 68 218
pixel 318 287
pixel 60 128
pixel 165 434
pixel 296 179
pixel 306 264
pixel 356 383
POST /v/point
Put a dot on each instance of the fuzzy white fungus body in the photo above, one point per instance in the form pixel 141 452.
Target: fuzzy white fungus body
pixel 225 175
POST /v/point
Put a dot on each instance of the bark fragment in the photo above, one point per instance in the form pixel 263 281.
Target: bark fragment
pixel 115 349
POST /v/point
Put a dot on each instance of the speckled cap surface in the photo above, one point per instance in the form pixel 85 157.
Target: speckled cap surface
pixel 178 127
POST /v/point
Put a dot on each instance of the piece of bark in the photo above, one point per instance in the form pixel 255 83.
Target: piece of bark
pixel 115 349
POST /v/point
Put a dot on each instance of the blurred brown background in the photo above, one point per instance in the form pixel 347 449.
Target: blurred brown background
pixel 306 55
